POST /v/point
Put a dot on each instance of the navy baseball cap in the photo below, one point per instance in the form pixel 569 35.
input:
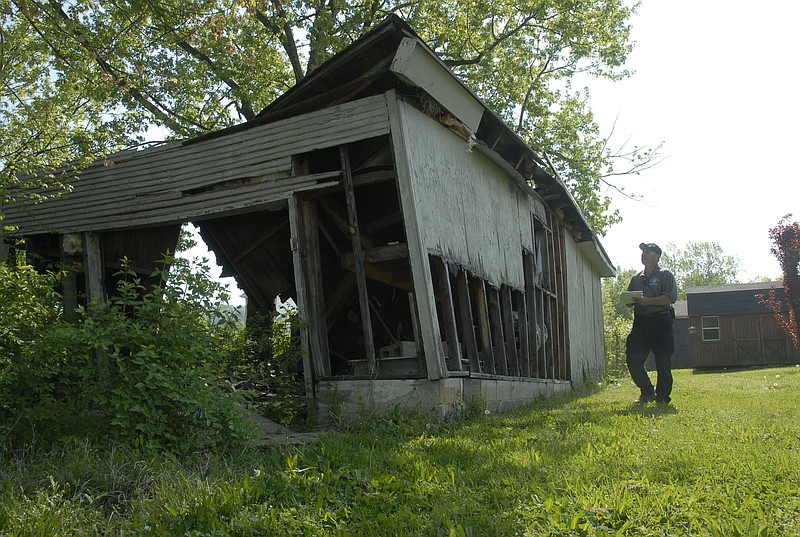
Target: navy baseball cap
pixel 650 246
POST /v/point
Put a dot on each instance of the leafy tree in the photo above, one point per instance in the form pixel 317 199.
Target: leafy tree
pixel 617 321
pixel 786 248
pixel 47 117
pixel 700 263
pixel 83 78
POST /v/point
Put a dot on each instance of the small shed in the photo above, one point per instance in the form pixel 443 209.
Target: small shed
pixel 729 327
pixel 432 256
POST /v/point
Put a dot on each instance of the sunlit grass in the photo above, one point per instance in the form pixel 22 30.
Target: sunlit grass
pixel 723 460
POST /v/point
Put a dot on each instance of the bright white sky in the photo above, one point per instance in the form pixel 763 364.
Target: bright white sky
pixel 716 81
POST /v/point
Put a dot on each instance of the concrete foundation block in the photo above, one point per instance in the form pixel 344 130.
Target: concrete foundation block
pixel 445 397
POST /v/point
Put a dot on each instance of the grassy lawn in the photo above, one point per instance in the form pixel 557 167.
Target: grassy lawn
pixel 723 460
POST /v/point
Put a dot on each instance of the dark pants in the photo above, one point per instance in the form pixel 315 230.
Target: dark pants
pixel 652 333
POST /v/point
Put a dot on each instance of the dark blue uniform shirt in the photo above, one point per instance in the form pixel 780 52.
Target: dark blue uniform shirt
pixel 660 282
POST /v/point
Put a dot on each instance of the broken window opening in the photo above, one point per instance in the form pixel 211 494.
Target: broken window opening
pixel 506 331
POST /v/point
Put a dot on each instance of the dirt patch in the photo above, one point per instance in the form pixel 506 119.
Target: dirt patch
pixel 274 433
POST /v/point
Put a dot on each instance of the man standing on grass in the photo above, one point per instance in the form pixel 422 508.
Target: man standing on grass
pixel 653 316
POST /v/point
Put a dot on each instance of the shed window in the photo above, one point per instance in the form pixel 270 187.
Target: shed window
pixel 710 328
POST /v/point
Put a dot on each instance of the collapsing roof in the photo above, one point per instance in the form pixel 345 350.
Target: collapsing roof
pixel 387 57
pixel 390 56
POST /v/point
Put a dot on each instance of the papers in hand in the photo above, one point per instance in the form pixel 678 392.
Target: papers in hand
pixel 628 297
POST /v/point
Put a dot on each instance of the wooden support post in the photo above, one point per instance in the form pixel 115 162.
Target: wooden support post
pixel 555 338
pixel 557 305
pixel 559 275
pixel 94 267
pixel 544 336
pixel 496 322
pixel 296 230
pixel 13 248
pixel 484 324
pixel 506 307
pixel 552 346
pixel 466 321
pixel 309 253
pixel 412 307
pixel 358 258
pixel 442 278
pixel 530 302
pixel 94 272
pixel 524 338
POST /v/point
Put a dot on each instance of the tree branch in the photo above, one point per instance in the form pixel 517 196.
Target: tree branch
pixel 497 39
pixel 529 93
pixel 245 107
pixel 285 35
pixel 120 79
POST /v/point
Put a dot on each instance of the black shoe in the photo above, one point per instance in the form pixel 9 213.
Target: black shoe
pixel 644 399
pixel 662 401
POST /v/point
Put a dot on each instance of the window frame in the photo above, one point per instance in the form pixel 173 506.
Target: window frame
pixel 710 329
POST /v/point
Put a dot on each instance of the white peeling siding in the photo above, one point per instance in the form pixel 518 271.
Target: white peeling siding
pixel 585 317
pixel 469 210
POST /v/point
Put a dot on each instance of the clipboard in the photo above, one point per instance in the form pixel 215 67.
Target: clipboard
pixel 627 297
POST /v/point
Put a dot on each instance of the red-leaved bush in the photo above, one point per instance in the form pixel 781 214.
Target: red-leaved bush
pixel 786 248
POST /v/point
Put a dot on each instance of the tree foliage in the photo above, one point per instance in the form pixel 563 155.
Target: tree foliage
pixel 82 78
pixel 786 248
pixel 617 321
pixel 700 263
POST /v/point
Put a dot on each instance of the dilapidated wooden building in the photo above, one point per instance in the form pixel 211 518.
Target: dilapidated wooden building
pixel 430 253
pixel 729 327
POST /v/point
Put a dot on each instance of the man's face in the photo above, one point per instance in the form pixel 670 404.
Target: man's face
pixel 649 256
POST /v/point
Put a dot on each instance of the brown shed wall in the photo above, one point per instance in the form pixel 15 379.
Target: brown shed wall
pixel 745 340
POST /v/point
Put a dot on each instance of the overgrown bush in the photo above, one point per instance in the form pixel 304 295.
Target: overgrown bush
pixel 144 367
pixel 29 307
pixel 270 365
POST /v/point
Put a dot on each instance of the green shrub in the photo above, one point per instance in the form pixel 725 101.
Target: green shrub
pixel 616 332
pixel 160 355
pixel 146 366
pixel 617 321
pixel 29 307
